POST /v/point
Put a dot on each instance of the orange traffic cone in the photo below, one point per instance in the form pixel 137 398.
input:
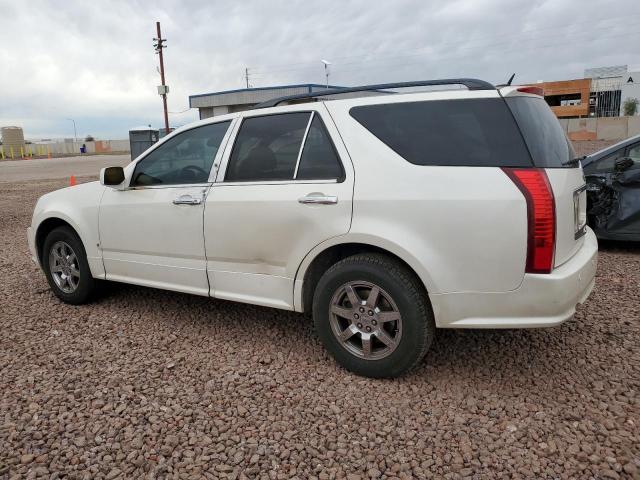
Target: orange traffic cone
pixel 72 180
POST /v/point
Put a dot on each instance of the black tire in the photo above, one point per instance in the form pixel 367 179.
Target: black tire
pixel 406 291
pixel 86 284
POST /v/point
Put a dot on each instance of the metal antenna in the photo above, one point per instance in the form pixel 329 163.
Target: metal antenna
pixel 326 71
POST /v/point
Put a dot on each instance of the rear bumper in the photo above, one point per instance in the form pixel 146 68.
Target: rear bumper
pixel 540 301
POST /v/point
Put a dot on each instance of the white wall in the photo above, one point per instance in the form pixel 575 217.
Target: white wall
pixel 630 89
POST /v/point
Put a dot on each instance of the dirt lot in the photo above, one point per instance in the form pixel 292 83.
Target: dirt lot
pixel 147 383
pixel 46 169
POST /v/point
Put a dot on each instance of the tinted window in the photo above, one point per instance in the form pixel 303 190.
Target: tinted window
pixel 634 154
pixel 545 138
pixel 183 159
pixel 319 160
pixel 267 148
pixel 605 164
pixel 470 132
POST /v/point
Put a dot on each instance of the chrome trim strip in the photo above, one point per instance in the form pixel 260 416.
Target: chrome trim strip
pixel 304 140
pixel 274 182
pixel 181 185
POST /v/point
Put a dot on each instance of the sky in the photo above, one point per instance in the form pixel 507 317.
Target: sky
pixel 94 62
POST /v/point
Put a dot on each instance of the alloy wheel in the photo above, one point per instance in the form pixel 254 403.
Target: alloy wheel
pixel 365 320
pixel 64 268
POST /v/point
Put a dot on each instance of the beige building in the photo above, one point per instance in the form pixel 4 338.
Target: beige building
pixel 12 137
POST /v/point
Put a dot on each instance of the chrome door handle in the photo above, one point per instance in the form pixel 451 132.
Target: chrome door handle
pixel 319 199
pixel 187 200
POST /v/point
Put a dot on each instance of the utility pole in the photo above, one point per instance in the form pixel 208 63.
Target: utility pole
pixel 162 89
pixel 246 76
pixel 75 133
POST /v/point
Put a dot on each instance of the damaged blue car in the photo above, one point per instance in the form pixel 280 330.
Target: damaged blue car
pixel 613 190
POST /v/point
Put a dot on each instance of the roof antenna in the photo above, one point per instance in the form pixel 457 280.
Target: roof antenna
pixel 510 79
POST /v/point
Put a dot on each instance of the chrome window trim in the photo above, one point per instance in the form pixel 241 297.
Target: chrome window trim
pixel 173 185
pixel 217 161
pixel 275 182
pixel 304 140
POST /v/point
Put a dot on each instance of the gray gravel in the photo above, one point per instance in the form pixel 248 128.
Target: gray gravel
pixel 152 384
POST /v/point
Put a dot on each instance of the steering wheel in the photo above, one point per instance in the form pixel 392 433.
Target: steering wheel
pixel 194 172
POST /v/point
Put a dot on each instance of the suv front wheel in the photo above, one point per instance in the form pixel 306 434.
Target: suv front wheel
pixel 65 264
pixel 373 315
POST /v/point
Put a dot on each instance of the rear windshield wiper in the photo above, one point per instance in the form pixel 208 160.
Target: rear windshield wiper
pixel 574 162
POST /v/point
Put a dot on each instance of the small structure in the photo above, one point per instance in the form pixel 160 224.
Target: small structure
pixel 12 141
pixel 141 138
pixel 230 101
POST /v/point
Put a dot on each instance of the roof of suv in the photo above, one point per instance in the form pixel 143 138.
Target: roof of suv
pixel 470 83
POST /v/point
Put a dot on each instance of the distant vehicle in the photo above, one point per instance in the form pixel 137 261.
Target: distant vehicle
pixel 613 190
pixel 385 217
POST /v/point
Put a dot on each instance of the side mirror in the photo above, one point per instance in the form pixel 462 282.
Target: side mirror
pixel 623 164
pixel 112 176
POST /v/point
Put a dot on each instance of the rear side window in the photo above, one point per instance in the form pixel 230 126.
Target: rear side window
pixel 319 160
pixel 267 147
pixel 468 132
pixel 545 138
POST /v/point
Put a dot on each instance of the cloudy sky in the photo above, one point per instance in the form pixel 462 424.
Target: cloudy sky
pixel 93 61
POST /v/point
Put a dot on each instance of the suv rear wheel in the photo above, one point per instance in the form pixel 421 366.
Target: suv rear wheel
pixel 373 315
pixel 66 267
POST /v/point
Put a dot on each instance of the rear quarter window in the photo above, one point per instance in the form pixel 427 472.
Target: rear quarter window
pixel 467 132
pixel 542 132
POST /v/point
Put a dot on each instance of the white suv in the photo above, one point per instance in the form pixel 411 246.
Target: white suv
pixel 386 216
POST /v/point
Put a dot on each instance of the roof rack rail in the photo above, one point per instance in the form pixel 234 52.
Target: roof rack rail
pixel 470 83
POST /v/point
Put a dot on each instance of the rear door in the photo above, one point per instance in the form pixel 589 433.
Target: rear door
pixel 550 149
pixel 284 187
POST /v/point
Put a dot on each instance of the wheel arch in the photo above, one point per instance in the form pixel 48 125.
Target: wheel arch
pixel 328 253
pixel 46 226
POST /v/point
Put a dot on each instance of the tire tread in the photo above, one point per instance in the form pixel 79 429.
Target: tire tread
pixel 410 282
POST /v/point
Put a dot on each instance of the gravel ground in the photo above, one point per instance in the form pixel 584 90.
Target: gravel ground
pixel 151 384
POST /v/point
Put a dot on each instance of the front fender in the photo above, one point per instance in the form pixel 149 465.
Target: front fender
pixel 79 207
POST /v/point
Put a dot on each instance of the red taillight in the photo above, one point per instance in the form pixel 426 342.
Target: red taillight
pixel 541 217
pixel 532 90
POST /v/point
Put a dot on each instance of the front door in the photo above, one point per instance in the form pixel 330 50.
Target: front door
pixel 151 233
pixel 285 187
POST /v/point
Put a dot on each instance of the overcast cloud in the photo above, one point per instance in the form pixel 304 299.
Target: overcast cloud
pixel 94 61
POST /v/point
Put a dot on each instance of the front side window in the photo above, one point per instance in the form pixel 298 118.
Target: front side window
pixel 605 164
pixel 634 154
pixel 267 147
pixel 183 159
